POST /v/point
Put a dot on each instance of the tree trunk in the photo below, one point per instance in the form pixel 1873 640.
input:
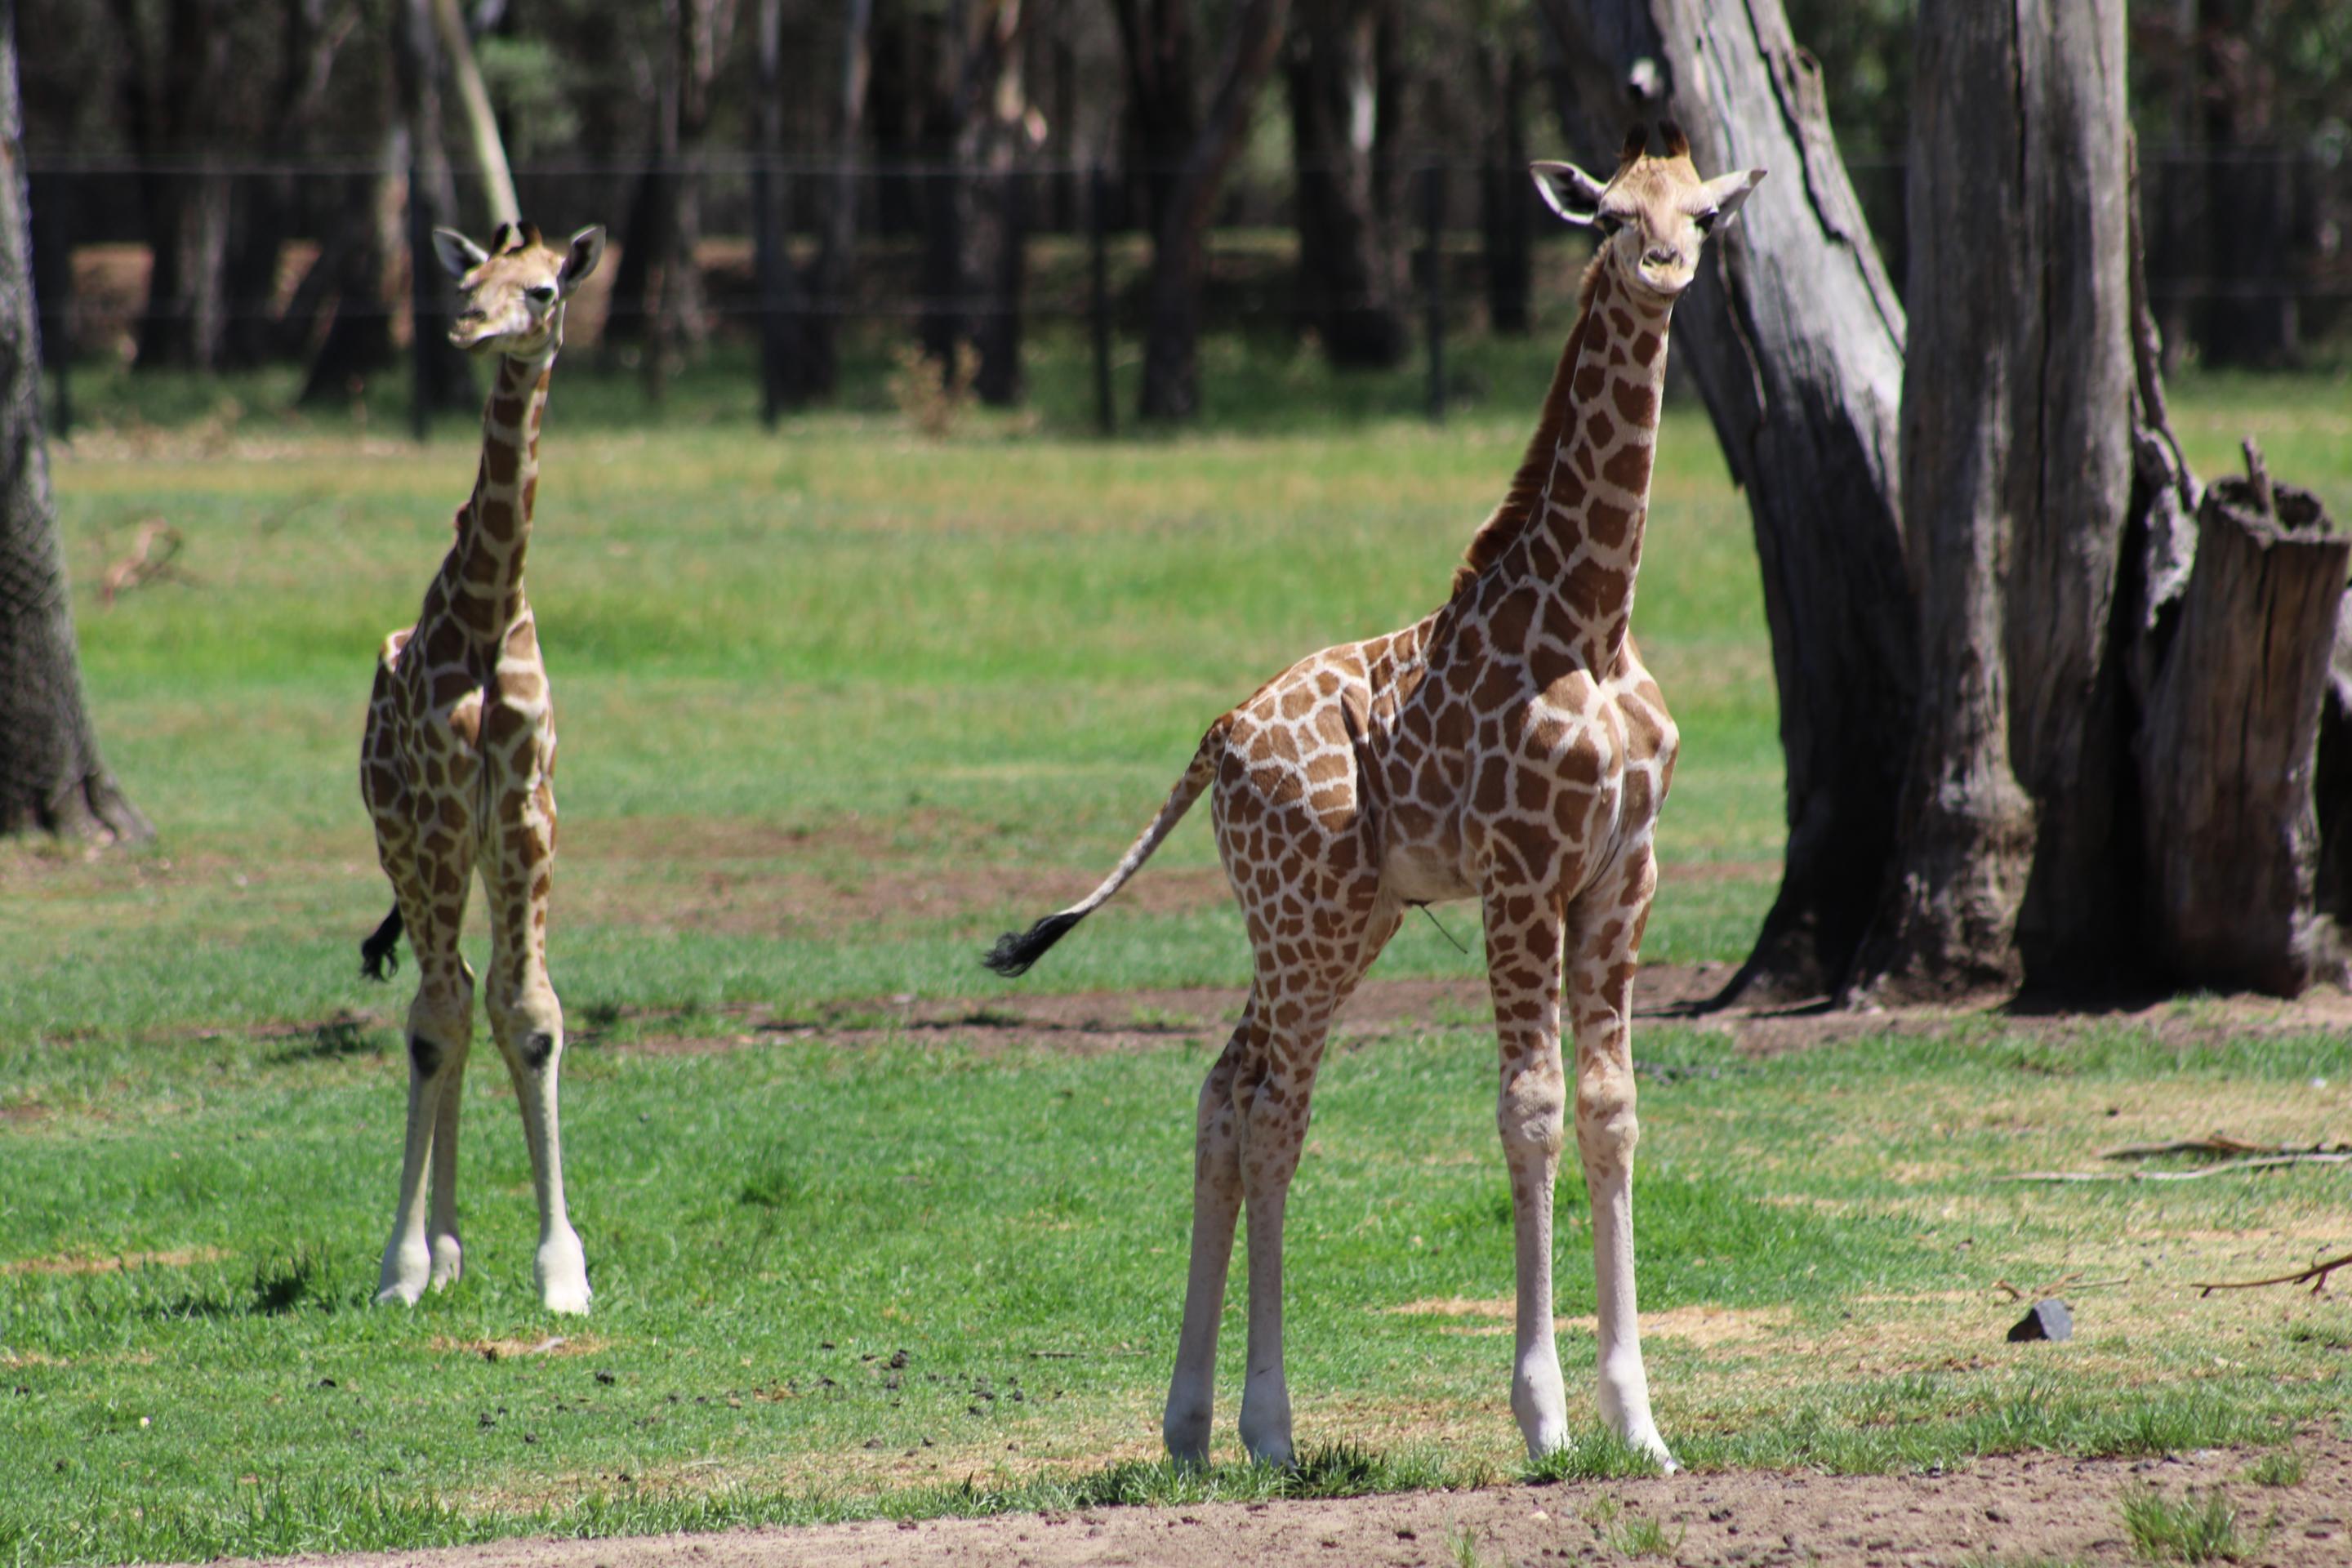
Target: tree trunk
pixel 829 277
pixel 177 81
pixel 481 125
pixel 52 779
pixel 992 214
pixel 1794 336
pixel 1171 374
pixel 444 379
pixel 1506 204
pixel 1162 117
pixel 348 281
pixel 2017 436
pixel 2232 831
pixel 1350 269
pixel 266 206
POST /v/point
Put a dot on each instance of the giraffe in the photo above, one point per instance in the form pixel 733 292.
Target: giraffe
pixel 457 769
pixel 1508 747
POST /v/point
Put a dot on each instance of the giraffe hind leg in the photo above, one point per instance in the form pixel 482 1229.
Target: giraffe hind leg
pixel 1216 1208
pixel 424 1249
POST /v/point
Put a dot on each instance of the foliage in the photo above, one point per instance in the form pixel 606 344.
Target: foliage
pixel 2190 1528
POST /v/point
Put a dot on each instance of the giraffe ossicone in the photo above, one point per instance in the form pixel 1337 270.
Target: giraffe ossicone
pixel 1508 747
pixel 457 768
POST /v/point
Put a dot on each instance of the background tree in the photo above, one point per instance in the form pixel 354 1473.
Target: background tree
pixel 1185 198
pixel 1794 337
pixel 52 779
pixel 1347 89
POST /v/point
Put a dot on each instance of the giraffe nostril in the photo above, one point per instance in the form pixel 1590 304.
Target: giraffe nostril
pixel 1659 256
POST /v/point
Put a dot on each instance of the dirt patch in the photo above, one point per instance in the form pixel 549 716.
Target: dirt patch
pixel 2020 1508
pixel 1702 1325
pixel 512 1350
pixel 1094 1023
pixel 178 1257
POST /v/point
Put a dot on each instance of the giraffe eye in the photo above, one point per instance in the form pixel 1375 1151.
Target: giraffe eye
pixel 1705 222
pixel 540 293
pixel 1609 223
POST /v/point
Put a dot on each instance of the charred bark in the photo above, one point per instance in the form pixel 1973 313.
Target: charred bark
pixel 1794 336
pixel 1171 374
pixel 176 83
pixel 1506 206
pixel 52 778
pixel 1351 268
pixel 2229 752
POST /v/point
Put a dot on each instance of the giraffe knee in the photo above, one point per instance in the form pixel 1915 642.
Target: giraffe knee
pixel 1606 1126
pixel 423 1056
pixel 536 1049
pixel 1531 1112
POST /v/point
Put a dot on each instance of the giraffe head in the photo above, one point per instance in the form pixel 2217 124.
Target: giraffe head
pixel 515 290
pixel 1653 213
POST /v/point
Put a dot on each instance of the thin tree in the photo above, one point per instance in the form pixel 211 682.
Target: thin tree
pixel 1345 102
pixel 52 779
pixel 1186 196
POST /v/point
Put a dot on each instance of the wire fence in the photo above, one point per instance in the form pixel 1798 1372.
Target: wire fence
pixel 1458 239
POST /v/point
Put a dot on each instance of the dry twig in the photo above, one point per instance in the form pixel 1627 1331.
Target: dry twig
pixel 2267 1161
pixel 2318 1274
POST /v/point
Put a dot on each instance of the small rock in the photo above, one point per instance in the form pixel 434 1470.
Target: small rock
pixel 604 1376
pixel 2049 1319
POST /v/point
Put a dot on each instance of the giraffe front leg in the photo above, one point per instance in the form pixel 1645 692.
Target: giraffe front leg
pixel 1216 1207
pixel 440 1031
pixel 528 1023
pixel 1530 1115
pixel 1601 987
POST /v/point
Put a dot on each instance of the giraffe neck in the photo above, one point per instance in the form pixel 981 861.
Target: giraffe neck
pixel 1596 491
pixel 485 569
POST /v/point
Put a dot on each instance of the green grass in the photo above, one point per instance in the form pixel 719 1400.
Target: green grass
pixel 837 706
pixel 2189 1529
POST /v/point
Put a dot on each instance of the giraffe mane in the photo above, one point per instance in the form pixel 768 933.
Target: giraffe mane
pixel 1510 519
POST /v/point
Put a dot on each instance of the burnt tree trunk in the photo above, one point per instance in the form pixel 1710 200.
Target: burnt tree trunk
pixel 984 247
pixel 177 83
pixel 1350 280
pixel 1162 113
pixel 828 280
pixel 1794 336
pixel 1172 372
pixel 347 282
pixel 444 381
pixel 52 779
pixel 1506 205
pixel 313 33
pixel 2233 826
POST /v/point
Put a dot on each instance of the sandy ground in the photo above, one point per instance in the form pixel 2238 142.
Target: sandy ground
pixel 2010 1510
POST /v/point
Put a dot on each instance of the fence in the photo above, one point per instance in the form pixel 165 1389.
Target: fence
pixel 2281 262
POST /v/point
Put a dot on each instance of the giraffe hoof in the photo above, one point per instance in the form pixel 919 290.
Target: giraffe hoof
pixel 562 1275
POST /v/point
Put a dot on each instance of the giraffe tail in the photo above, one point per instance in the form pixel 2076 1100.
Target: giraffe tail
pixel 380 953
pixel 1015 951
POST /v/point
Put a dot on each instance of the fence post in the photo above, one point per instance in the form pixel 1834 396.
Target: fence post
pixel 1433 207
pixel 1097 223
pixel 421 268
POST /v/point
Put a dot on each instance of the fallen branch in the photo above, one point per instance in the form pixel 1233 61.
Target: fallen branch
pixel 149 561
pixel 2219 1144
pixel 2267 1161
pixel 2318 1274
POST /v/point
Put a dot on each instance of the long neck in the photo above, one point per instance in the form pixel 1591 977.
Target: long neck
pixel 1596 493
pixel 485 568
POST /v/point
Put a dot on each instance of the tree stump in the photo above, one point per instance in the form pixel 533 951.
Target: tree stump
pixel 2227 754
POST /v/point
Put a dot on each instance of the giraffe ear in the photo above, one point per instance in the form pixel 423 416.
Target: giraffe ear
pixel 458 255
pixel 1569 191
pixel 587 249
pixel 1727 191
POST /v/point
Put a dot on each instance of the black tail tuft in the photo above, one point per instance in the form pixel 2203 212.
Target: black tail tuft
pixel 1015 951
pixel 380 953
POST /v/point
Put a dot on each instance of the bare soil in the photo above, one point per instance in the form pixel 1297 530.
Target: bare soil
pixel 1097 1022
pixel 2014 1509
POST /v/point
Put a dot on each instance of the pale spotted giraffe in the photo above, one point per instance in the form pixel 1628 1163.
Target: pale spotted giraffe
pixel 457 769
pixel 1511 748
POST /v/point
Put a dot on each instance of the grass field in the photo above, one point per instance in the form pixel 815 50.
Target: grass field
pixel 837 706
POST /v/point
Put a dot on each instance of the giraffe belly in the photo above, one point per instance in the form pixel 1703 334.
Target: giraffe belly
pixel 1429 872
